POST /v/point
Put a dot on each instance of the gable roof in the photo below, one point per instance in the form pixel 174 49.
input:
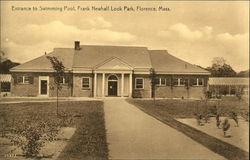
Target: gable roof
pixel 165 63
pixel 90 57
pixel 42 64
pixel 113 63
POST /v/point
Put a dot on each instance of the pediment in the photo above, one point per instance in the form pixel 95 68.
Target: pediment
pixel 113 63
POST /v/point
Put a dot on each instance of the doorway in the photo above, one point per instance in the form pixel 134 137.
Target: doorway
pixel 43 86
pixel 112 85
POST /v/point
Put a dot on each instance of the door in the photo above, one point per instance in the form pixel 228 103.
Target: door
pixel 44 87
pixel 112 88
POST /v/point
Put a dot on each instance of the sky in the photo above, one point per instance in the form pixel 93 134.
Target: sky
pixel 193 31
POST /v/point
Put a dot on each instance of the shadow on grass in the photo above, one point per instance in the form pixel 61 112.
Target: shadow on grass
pixel 216 145
pixel 89 140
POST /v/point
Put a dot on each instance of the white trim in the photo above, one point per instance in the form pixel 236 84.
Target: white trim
pixel 113 75
pixel 197 82
pixel 113 71
pixel 39 85
pixel 36 70
pixel 183 73
pixel 95 84
pixel 103 85
pixel 179 82
pixel 130 85
pixel 110 59
pixel 160 82
pixel 23 79
pixel 122 85
pixel 141 72
pixel 83 71
pixel 142 83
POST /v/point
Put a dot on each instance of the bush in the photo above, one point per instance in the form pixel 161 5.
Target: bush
pixel 31 132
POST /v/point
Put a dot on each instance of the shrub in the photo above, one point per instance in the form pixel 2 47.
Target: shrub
pixel 31 132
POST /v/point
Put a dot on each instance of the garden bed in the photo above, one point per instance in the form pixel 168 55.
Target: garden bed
pixel 82 121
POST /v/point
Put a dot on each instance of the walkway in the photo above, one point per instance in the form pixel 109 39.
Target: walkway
pixel 8 100
pixel 132 134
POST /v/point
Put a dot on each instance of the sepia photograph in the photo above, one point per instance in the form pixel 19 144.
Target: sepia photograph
pixel 124 80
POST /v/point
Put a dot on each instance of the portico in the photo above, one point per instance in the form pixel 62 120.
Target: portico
pixel 112 77
pixel 112 83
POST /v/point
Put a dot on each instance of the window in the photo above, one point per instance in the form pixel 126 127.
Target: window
pixel 197 82
pixel 25 79
pixel 168 82
pixel 157 81
pixel 160 81
pixel 61 80
pixel 182 82
pixel 64 79
pixel 163 82
pixel 139 83
pixel 85 82
pixel 5 86
pixel 179 82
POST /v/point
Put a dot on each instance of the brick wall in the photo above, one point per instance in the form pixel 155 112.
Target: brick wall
pixel 78 91
pixel 32 90
pixel 180 91
pixel 142 93
pixel 24 90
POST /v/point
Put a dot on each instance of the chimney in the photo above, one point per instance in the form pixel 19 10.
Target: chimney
pixel 77 45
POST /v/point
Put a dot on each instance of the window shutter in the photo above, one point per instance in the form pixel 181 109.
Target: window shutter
pixel 192 81
pixel 66 78
pixel 205 82
pixel 31 79
pixel 15 79
pixel 186 82
pixel 19 79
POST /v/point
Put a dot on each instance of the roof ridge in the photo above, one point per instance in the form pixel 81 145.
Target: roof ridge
pixel 114 46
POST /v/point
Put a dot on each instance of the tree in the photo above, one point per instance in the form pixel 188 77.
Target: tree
pixel 220 68
pixel 243 73
pixel 153 82
pixel 59 72
pixel 6 65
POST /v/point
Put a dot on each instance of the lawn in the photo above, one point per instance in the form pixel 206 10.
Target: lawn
pixel 187 108
pixel 89 138
pixel 167 111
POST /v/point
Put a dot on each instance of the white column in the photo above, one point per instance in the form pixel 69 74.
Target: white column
pixel 95 84
pixel 130 85
pixel 122 86
pixel 103 84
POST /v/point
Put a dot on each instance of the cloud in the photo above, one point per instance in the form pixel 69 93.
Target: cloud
pixel 98 22
pixel 203 42
pixel 32 40
pixel 182 31
pixel 22 53
pixel 227 37
pixel 56 31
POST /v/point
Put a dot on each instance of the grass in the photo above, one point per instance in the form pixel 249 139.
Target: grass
pixel 89 140
pixel 167 110
pixel 187 108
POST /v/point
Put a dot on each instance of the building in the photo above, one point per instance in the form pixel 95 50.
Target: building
pixel 98 71
pixel 5 84
pixel 228 86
